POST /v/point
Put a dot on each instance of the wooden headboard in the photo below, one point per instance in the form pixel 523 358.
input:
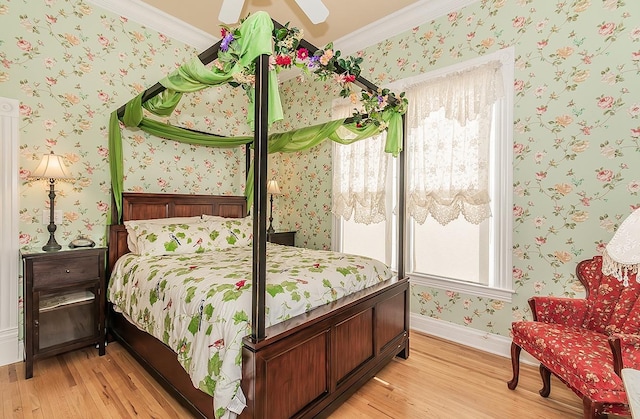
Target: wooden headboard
pixel 145 206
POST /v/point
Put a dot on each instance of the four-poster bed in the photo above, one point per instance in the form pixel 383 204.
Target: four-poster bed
pixel 341 344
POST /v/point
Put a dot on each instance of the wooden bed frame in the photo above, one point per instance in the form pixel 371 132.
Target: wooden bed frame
pixel 305 367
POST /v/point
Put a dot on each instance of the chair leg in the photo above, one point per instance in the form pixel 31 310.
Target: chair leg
pixel 592 410
pixel 515 364
pixel 546 381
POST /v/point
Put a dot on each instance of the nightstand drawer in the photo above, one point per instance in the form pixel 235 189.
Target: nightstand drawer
pixel 65 271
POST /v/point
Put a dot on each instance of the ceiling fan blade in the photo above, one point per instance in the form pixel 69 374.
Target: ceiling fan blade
pixel 230 11
pixel 314 9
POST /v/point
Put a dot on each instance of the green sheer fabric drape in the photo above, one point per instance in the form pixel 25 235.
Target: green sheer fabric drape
pixel 193 76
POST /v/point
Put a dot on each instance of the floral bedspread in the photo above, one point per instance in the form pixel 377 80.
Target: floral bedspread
pixel 200 304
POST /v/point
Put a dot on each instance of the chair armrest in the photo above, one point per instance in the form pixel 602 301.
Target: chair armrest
pixel 559 310
pixel 626 351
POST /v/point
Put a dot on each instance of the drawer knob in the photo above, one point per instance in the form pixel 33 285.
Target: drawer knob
pixel 67 270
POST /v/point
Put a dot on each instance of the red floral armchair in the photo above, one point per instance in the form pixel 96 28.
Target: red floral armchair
pixel 585 342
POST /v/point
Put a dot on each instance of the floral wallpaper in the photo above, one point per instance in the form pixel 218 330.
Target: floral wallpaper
pixel 576 130
pixel 576 136
pixel 70 65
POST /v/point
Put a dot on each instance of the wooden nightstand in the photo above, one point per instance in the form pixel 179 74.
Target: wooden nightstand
pixel 287 238
pixel 64 302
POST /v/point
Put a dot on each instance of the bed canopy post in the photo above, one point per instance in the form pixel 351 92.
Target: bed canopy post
pixel 260 199
pixel 401 199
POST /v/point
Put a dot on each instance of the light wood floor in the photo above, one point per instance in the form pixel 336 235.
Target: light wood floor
pixel 439 380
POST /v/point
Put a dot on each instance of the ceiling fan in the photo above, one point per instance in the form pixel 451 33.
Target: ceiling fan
pixel 314 9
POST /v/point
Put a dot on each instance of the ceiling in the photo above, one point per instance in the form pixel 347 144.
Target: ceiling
pixel 345 16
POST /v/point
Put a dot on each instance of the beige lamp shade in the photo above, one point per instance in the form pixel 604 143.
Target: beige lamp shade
pixel 51 167
pixel 273 188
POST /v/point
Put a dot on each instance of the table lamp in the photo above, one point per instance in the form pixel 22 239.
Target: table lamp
pixel 272 189
pixel 51 167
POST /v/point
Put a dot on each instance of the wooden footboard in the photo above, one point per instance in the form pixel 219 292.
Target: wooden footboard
pixel 314 362
pixel 306 367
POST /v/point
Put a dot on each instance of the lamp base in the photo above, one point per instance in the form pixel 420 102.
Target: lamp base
pixel 51 248
pixel 52 245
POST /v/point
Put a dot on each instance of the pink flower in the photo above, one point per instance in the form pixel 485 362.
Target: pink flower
pixel 540 240
pixel 240 284
pixel 303 54
pixel 518 85
pixel 471 35
pixel 604 175
pixel 541 175
pixel 24 45
pixel 103 151
pixel 104 97
pixel 543 43
pixel 517 273
pixel 102 206
pixel 25 110
pixel 541 109
pixel 103 41
pixel 635 132
pixel 605 102
pixel 51 19
pixel 607 29
pixel 518 22
pixel 467 320
pixel 24 238
pixel 518 211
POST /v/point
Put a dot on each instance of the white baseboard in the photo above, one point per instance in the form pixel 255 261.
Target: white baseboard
pixel 474 338
pixel 10 347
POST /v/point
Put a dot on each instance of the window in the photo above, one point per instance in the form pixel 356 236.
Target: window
pixel 473 258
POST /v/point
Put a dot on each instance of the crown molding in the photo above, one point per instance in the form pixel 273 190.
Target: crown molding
pixel 396 23
pixel 159 21
pixel 385 28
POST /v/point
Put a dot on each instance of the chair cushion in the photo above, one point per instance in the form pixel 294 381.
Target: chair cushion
pixel 580 357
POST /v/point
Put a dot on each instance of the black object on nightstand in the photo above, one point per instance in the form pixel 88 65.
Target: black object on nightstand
pixel 64 302
pixel 287 238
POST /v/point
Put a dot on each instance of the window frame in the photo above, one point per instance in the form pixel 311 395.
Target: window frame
pixel 500 285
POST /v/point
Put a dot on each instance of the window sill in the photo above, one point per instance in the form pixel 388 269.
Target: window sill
pixel 461 287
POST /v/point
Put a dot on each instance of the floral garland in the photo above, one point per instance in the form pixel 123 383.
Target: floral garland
pixel 323 64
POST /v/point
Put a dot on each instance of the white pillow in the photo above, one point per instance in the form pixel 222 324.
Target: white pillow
pixel 231 232
pixel 173 239
pixel 132 237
